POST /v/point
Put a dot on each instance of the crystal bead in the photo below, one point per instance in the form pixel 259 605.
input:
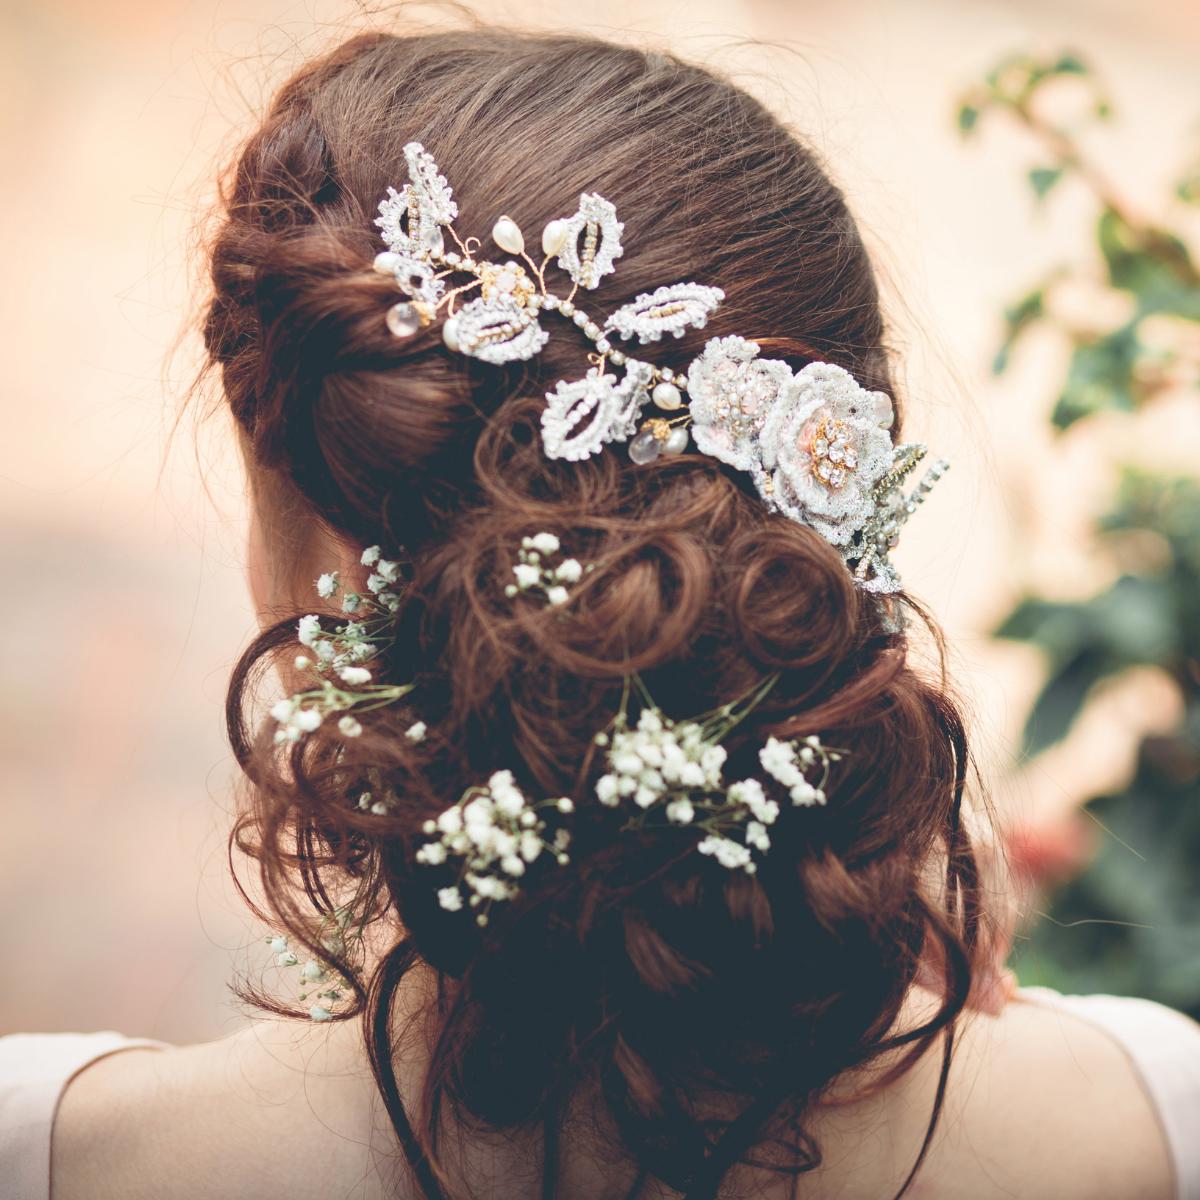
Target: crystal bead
pixel 506 233
pixel 403 319
pixel 885 415
pixel 667 396
pixel 677 441
pixel 580 318
pixel 603 345
pixel 645 447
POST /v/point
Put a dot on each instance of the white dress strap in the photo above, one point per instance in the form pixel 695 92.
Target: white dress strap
pixel 35 1068
pixel 1164 1046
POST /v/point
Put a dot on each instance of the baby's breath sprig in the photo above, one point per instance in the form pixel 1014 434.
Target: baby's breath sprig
pixel 340 933
pixel 675 769
pixel 494 833
pixel 337 660
pixel 536 569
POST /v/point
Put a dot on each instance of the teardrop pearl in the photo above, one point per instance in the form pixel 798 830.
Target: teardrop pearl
pixel 677 441
pixel 645 448
pixel 386 262
pixel 884 413
pixel 403 319
pixel 667 396
pixel 506 233
pixel 554 236
pixel 450 334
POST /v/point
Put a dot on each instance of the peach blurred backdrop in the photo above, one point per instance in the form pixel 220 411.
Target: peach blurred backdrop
pixel 123 603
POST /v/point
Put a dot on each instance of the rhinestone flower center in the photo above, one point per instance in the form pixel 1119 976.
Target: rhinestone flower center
pixel 833 454
pixel 506 281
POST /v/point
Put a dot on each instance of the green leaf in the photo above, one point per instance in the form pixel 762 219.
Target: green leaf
pixel 1154 265
pixel 968 118
pixel 1062 698
pixel 1070 64
pixel 1019 317
pixel 1042 179
pixel 1056 628
pixel 1134 622
pixel 1100 377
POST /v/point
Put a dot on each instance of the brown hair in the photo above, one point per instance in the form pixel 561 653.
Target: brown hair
pixel 703 1010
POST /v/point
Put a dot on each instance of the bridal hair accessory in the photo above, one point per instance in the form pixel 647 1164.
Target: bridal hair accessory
pixel 817 446
pixel 659 772
pixel 336 659
pixel 541 567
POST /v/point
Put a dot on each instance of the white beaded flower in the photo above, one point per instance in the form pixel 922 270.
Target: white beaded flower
pixel 732 391
pixel 823 448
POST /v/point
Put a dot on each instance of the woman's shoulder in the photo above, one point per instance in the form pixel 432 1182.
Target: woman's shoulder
pixel 1095 1096
pixel 1092 1097
pixel 277 1109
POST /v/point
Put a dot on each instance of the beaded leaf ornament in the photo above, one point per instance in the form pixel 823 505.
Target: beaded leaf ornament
pixel 816 444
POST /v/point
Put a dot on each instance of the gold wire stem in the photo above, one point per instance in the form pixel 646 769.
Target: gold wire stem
pixel 449 298
pixel 454 235
pixel 537 272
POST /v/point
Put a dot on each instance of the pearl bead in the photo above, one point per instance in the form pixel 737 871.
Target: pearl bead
pixel 506 233
pixel 554 236
pixel 450 334
pixel 387 262
pixel 677 441
pixel 645 448
pixel 667 397
pixel 884 413
pixel 403 319
pixel 567 308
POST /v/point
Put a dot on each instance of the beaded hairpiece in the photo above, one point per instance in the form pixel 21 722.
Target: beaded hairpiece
pixel 817 446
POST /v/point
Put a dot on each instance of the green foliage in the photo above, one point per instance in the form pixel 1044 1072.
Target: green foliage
pixel 1131 922
pixel 1042 179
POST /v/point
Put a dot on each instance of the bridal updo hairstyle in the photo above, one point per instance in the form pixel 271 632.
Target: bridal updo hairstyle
pixel 693 1014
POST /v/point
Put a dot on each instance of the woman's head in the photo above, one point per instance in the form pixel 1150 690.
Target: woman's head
pixel 676 994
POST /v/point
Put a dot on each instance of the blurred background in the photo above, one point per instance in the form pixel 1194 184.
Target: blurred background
pixel 1025 172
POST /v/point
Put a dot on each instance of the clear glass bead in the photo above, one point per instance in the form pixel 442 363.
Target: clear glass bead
pixel 645 447
pixel 403 319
